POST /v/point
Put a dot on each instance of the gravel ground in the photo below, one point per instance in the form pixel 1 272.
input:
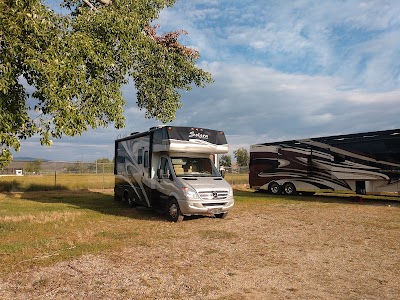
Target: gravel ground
pixel 292 250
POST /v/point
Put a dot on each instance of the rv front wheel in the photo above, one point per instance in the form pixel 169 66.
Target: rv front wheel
pixel 289 189
pixel 274 188
pixel 174 211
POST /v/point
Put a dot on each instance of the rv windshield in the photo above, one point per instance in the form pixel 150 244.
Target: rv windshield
pixel 194 167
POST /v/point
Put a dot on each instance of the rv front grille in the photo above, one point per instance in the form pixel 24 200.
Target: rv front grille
pixel 213 204
pixel 212 195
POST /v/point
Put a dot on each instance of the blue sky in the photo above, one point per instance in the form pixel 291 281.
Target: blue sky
pixel 282 70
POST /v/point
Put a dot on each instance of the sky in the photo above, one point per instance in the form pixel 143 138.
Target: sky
pixel 282 70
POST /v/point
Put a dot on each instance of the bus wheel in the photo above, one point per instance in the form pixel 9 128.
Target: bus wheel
pixel 274 188
pixel 289 189
pixel 174 211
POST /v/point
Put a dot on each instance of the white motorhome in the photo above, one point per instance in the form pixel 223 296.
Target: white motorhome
pixel 170 169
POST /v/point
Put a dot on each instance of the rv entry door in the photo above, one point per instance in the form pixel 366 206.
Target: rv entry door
pixel 145 182
pixel 145 162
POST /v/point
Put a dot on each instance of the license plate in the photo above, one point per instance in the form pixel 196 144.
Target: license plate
pixel 215 210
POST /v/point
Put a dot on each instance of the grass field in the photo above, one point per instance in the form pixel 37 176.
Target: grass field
pixel 76 182
pixel 82 244
pixel 38 228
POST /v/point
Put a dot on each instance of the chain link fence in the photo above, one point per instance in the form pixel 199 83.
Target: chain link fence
pixel 58 175
pixel 59 167
pixel 236 170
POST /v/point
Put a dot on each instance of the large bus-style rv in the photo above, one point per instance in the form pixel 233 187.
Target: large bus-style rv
pixel 171 170
pixel 364 163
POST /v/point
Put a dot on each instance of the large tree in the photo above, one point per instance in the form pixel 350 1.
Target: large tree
pixel 61 70
pixel 242 157
pixel 225 161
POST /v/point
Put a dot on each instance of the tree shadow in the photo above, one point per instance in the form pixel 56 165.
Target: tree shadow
pixel 99 201
pixel 17 186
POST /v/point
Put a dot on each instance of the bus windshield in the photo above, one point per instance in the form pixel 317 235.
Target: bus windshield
pixel 194 167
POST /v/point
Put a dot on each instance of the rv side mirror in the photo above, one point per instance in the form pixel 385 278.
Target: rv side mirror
pixel 162 175
pixel 168 175
pixel 222 171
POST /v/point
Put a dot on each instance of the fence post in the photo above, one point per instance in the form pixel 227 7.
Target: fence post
pixel 55 175
pixel 103 176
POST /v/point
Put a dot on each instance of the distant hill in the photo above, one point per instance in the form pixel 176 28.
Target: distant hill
pixel 24 158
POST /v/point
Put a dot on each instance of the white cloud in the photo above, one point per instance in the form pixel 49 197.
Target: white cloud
pixel 301 37
pixel 391 98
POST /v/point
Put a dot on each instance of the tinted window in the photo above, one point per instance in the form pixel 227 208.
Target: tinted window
pixel 140 156
pixel 146 159
pixel 159 135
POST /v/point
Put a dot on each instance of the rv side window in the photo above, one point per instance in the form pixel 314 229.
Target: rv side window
pixel 140 156
pixel 146 159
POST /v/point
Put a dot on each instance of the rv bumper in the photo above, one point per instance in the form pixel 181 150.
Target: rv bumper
pixel 205 208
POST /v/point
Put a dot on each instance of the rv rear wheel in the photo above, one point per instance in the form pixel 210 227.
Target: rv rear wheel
pixel 174 211
pixel 131 202
pixel 125 197
pixel 274 188
pixel 289 189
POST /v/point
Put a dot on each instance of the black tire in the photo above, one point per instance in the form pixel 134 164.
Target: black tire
pixel 274 188
pixel 174 212
pixel 125 196
pixel 117 198
pixel 131 202
pixel 289 189
pixel 221 216
pixel 128 199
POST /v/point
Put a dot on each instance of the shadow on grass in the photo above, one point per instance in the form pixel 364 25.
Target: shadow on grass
pixel 351 199
pixel 16 186
pixel 102 202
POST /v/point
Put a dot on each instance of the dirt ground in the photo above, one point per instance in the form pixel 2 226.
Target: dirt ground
pixel 297 249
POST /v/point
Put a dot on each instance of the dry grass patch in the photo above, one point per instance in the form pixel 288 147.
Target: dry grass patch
pixel 58 182
pixel 267 248
pixel 42 218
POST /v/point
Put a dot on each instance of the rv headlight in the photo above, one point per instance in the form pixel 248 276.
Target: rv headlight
pixel 190 193
pixel 230 192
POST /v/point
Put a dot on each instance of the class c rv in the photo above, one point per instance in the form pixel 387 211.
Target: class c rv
pixel 363 163
pixel 171 170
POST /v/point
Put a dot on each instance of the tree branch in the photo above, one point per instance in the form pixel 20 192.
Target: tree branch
pixel 105 2
pixel 89 4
